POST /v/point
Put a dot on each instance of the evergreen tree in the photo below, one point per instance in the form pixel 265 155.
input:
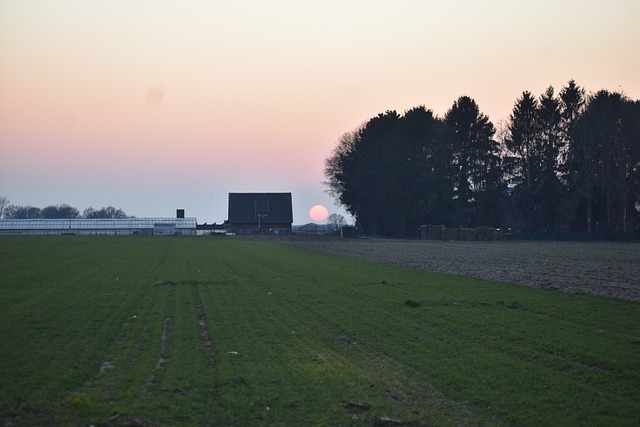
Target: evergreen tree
pixel 427 186
pixel 605 162
pixel 525 146
pixel 551 141
pixel 550 194
pixel 572 101
pixel 474 163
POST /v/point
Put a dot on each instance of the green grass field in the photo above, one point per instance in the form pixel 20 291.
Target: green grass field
pixel 224 331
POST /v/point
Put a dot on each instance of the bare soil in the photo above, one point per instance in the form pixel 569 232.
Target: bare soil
pixel 601 268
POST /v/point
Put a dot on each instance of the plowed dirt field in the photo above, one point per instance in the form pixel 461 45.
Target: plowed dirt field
pixel 601 268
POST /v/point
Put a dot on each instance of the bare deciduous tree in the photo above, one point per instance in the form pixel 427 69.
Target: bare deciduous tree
pixel 4 202
pixel 337 221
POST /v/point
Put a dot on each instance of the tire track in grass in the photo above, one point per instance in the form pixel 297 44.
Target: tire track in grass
pixel 130 364
pixel 168 363
pixel 183 386
pixel 162 357
pixel 165 338
pixel 190 378
pixel 203 322
pixel 249 339
pixel 115 292
pixel 118 360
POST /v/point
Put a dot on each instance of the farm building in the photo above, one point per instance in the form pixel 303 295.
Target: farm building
pixel 260 213
pixel 101 226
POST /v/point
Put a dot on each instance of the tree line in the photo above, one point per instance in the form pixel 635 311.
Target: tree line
pixel 62 211
pixel 562 162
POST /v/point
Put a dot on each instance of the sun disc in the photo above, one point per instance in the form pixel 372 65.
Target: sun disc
pixel 319 213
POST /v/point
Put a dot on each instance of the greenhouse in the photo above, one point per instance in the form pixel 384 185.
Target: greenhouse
pixel 102 226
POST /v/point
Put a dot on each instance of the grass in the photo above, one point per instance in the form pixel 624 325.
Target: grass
pixel 208 331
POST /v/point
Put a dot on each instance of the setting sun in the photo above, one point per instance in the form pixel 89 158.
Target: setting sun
pixel 318 213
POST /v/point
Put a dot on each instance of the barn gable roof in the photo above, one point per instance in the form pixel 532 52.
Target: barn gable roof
pixel 272 208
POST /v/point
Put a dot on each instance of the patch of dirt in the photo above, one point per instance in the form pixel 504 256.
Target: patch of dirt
pixel 602 268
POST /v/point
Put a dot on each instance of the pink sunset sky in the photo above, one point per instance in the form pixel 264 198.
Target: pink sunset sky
pixel 150 106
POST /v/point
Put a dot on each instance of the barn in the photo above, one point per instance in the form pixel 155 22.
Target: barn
pixel 260 213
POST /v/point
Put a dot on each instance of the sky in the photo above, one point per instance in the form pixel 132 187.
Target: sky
pixel 152 105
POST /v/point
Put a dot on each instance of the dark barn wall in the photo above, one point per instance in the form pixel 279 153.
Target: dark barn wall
pixel 255 213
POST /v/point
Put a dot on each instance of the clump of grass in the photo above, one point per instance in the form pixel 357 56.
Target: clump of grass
pixel 412 303
pixel 513 305
pixel 77 400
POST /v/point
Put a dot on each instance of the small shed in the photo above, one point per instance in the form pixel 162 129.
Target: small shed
pixel 260 213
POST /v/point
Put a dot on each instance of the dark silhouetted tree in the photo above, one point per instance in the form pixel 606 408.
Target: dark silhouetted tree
pixel 524 141
pixel 551 140
pixel 572 101
pixel 424 189
pixel 60 211
pixel 561 162
pixel 357 170
pixel 525 147
pixel 375 173
pixel 108 212
pixel 537 145
pixel 391 173
pixel 550 195
pixel 474 164
pixel 336 221
pixel 604 162
pixel 22 212
pixel 337 170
